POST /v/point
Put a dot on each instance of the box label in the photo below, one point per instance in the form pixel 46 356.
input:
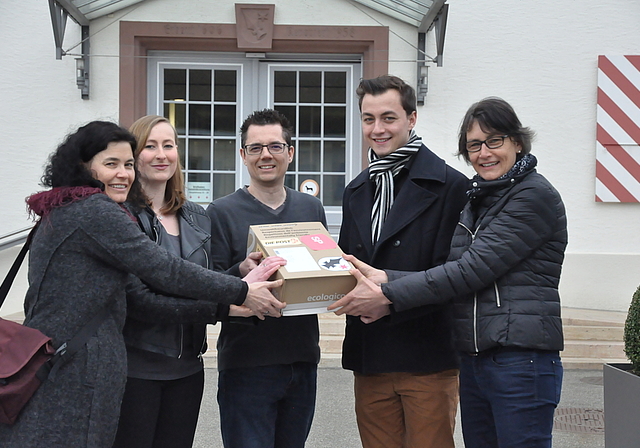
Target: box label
pixel 318 242
pixel 281 242
pixel 298 259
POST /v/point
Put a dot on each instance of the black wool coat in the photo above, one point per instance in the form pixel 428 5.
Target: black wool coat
pixel 416 236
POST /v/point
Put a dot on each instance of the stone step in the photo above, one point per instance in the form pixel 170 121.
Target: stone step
pixel 593 349
pixel 593 333
pixel 582 322
pixel 592 338
pixel 583 317
pixel 331 344
pixel 331 325
pixel 590 363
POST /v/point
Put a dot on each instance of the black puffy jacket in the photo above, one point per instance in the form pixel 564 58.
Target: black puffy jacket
pixel 503 270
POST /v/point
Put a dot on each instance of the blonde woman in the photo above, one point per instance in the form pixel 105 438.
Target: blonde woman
pixel 164 350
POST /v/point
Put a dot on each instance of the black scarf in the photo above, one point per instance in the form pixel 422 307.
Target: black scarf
pixel 481 187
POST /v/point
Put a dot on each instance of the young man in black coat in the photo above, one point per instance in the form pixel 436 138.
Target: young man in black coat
pixel 400 213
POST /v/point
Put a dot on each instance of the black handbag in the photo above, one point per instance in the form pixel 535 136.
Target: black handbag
pixel 27 357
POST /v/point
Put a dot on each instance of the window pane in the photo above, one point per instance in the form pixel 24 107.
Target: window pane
pixel 223 184
pixel 199 155
pixel 177 115
pixel 200 85
pixel 198 177
pixel 309 121
pixel 200 119
pixel 335 87
pixel 290 180
pixel 334 156
pixel 310 87
pixel 309 156
pixel 182 148
pixel 284 87
pixel 224 155
pixel 334 122
pixel 289 112
pixel 333 188
pixel 224 120
pixel 225 88
pixel 175 84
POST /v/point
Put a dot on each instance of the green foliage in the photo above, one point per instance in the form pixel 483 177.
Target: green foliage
pixel 632 332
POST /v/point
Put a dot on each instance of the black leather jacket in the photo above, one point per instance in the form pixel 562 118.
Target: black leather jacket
pixel 159 335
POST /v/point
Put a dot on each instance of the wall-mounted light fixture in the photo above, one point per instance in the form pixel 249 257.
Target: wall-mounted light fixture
pixel 423 83
pixel 60 10
pixel 83 65
pixel 423 70
pixel 82 76
pixel 435 19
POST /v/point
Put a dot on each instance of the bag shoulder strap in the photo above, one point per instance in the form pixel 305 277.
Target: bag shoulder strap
pixel 15 267
pixel 66 351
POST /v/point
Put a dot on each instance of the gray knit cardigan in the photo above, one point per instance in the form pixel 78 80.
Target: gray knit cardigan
pixel 79 261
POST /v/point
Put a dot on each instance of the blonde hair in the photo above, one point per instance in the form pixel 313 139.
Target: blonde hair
pixel 174 195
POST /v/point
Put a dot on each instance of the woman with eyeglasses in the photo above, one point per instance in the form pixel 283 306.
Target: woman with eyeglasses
pixel 502 276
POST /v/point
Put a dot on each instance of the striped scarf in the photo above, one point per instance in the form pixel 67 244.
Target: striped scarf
pixel 381 172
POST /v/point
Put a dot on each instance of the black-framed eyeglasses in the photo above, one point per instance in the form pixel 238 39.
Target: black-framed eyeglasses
pixel 273 148
pixel 491 143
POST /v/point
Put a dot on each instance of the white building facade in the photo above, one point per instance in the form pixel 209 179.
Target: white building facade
pixel 207 64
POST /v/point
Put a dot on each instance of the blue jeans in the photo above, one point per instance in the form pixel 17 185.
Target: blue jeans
pixel 267 406
pixel 508 398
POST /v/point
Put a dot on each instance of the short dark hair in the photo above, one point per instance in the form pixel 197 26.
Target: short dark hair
pixel 494 115
pixel 66 166
pixel 381 84
pixel 264 117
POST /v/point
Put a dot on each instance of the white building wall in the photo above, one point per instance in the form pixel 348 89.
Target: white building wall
pixel 540 56
pixel 40 102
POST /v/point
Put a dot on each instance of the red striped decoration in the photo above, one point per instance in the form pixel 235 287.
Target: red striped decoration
pixel 618 132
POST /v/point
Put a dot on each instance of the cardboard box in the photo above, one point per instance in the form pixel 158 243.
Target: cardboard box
pixel 315 275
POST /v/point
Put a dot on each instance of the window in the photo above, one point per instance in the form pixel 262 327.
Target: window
pixel 207 96
pixel 202 103
pixel 315 101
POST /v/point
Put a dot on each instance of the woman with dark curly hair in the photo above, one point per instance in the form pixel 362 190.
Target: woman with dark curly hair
pixel 81 254
pixel 502 276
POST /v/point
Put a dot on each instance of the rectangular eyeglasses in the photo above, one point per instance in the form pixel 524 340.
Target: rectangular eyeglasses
pixel 273 148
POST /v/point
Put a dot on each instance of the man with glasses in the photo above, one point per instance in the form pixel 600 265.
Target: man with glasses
pixel 400 214
pixel 267 368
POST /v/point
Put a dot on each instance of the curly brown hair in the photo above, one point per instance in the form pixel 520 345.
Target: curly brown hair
pixel 67 164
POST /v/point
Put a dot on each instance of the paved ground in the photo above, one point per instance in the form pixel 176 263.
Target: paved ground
pixel 578 420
